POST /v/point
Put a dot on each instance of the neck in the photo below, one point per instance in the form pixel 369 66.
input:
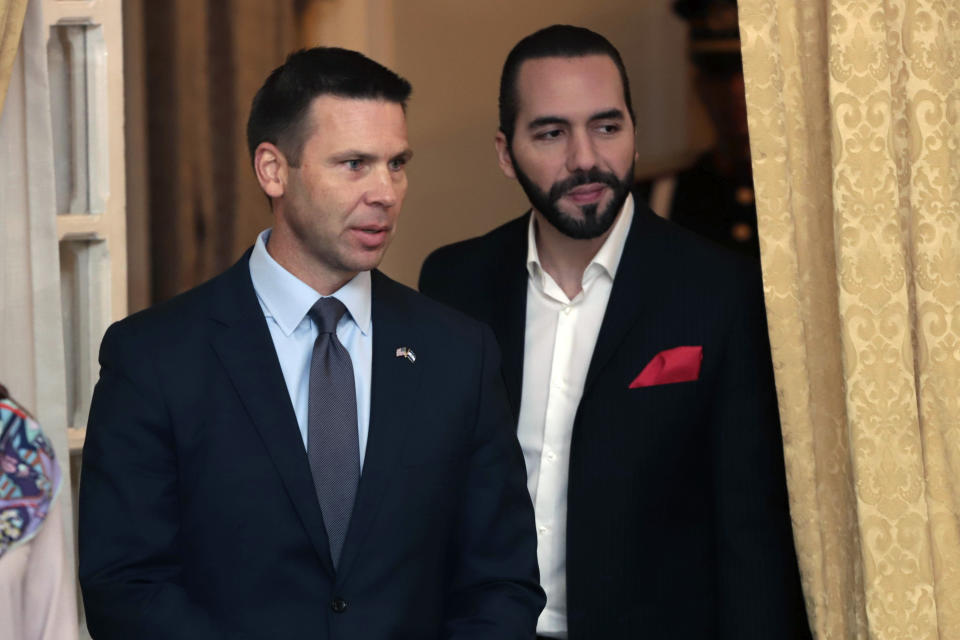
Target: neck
pixel 289 253
pixel 563 257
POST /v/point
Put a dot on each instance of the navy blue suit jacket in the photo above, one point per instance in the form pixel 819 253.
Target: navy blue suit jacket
pixel 677 519
pixel 198 516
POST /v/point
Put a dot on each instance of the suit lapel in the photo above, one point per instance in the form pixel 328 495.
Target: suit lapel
pixel 509 310
pixel 246 350
pixel 395 380
pixel 637 285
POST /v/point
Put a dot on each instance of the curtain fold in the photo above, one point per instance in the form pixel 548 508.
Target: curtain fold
pixel 202 61
pixel 854 114
pixel 11 23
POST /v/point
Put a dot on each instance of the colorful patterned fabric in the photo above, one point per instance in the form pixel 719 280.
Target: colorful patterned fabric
pixel 29 476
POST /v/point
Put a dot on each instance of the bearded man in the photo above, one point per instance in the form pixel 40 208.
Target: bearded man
pixel 636 358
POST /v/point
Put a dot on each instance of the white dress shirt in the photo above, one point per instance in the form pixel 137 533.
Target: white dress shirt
pixel 286 300
pixel 559 340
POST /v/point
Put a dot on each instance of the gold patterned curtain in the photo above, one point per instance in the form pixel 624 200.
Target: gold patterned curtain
pixel 11 23
pixel 854 113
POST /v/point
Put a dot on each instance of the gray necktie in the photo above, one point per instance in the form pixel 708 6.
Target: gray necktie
pixel 332 442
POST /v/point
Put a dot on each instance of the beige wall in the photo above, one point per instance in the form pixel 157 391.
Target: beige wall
pixel 452 52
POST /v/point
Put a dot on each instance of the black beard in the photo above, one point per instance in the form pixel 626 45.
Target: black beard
pixel 594 223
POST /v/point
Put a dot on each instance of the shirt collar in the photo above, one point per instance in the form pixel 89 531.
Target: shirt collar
pixel 288 299
pixel 607 257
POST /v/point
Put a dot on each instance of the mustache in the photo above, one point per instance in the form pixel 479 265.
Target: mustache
pixel 581 177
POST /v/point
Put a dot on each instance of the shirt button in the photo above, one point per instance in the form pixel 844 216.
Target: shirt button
pixel 338 605
pixel 543 529
pixel 566 310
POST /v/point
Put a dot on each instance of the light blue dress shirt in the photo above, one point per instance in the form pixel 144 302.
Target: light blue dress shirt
pixel 286 300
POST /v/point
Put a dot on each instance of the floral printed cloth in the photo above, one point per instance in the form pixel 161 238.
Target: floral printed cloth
pixel 29 476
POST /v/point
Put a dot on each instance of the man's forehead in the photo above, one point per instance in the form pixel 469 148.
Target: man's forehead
pixel 561 83
pixel 335 121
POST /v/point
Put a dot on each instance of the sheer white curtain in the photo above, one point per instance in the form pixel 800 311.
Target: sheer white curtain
pixel 31 332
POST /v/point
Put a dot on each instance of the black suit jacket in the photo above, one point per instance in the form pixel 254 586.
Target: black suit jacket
pixel 677 523
pixel 198 516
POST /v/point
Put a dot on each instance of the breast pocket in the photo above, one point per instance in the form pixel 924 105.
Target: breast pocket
pixel 676 400
pixel 645 435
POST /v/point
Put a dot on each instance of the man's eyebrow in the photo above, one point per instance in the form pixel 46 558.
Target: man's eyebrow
pixel 352 154
pixel 544 121
pixel 363 156
pixel 609 114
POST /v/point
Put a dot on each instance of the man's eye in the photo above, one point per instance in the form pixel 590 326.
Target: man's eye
pixel 550 134
pixel 354 164
pixel 397 164
pixel 609 128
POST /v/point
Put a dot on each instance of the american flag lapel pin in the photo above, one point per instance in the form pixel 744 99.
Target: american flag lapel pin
pixel 406 352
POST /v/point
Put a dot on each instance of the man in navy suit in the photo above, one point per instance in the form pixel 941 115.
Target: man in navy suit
pixel 636 360
pixel 220 498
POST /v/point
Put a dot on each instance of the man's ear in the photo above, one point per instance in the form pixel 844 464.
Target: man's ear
pixel 503 155
pixel 271 168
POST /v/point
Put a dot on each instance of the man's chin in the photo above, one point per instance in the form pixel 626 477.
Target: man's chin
pixel 578 223
pixel 365 259
pixel 581 214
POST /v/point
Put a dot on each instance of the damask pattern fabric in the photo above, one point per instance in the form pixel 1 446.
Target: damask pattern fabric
pixel 854 114
pixel 29 476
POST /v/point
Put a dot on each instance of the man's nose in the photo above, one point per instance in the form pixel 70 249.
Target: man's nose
pixel 384 188
pixel 581 154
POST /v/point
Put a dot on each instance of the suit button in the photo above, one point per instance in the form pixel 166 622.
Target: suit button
pixel 339 605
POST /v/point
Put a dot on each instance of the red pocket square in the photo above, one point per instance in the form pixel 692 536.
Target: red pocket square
pixel 680 364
